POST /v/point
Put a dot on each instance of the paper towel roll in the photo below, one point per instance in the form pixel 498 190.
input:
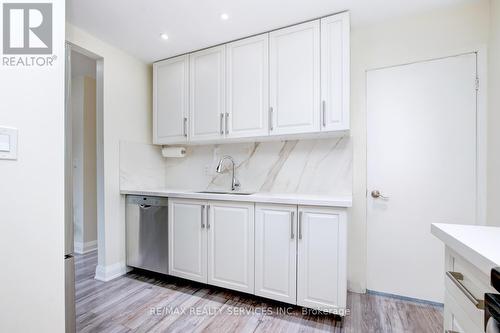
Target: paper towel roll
pixel 173 151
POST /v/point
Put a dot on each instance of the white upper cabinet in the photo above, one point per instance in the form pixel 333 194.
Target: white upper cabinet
pixel 335 72
pixel 289 82
pixel 207 94
pixel 295 79
pixel 247 87
pixel 170 100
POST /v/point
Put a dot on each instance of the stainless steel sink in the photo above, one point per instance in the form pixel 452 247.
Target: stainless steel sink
pixel 225 192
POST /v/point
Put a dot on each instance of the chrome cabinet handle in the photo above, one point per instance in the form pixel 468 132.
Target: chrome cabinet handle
pixel 208 217
pixel 227 129
pixel 376 194
pixel 323 112
pixel 292 215
pixel 300 225
pixel 456 277
pixel 145 207
pixel 220 124
pixel 202 216
pixel 185 127
pixel 271 127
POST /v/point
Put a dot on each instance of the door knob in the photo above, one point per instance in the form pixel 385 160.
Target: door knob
pixel 376 194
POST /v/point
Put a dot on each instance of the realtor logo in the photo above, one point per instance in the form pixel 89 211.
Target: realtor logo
pixel 27 28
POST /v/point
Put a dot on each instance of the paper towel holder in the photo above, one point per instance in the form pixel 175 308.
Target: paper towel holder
pixel 167 151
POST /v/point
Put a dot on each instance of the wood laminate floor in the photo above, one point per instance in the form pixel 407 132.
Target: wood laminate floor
pixel 141 302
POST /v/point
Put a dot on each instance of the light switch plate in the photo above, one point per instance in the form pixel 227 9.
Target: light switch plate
pixel 8 143
pixel 4 143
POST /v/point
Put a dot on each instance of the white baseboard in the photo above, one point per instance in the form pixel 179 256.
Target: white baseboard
pixel 110 272
pixel 82 248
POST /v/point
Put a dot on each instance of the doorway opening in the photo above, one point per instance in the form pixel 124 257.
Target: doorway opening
pixel 84 170
pixel 84 152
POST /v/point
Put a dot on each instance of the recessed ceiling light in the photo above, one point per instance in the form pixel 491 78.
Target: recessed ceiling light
pixel 164 36
pixel 224 16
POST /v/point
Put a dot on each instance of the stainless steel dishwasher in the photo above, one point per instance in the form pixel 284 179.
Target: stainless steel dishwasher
pixel 147 233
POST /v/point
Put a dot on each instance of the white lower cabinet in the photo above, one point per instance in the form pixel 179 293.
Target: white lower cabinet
pixel 300 251
pixel 275 252
pixel 465 286
pixel 230 229
pixel 321 259
pixel 187 239
pixel 455 319
pixel 300 256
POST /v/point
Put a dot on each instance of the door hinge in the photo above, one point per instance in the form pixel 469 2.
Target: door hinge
pixel 477 83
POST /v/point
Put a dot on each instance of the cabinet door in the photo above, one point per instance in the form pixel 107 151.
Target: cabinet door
pixel 231 245
pixel 207 94
pixel 187 239
pixel 335 72
pixel 170 100
pixel 321 273
pixel 247 87
pixel 275 252
pixel 295 79
pixel 456 318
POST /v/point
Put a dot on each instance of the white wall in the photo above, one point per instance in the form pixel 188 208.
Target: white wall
pixel 77 95
pixel 424 36
pixel 127 105
pixel 32 194
pixel 494 116
pixel 83 108
pixel 318 166
pixel 89 164
pixel 127 116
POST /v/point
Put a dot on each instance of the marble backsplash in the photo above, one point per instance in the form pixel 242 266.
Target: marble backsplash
pixel 317 166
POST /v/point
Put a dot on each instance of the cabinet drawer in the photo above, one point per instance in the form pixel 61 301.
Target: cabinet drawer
pixel 460 297
pixel 473 277
pixel 467 285
pixel 456 319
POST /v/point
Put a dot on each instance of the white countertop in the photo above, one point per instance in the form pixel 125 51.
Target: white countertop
pixel 480 245
pixel 287 198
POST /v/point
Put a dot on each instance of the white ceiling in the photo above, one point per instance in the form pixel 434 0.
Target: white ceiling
pixel 135 25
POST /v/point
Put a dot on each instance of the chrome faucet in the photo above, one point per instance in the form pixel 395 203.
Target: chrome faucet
pixel 235 184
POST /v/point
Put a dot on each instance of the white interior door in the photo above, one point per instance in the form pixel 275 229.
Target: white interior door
pixel 421 122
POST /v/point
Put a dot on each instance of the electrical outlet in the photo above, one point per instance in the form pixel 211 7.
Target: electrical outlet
pixel 208 170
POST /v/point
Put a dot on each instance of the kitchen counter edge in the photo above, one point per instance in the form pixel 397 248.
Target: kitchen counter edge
pixel 286 199
pixel 479 245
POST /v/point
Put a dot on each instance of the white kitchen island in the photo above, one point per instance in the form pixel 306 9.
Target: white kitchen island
pixel 471 252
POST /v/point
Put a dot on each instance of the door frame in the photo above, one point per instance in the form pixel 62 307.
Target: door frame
pixel 99 154
pixel 481 127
